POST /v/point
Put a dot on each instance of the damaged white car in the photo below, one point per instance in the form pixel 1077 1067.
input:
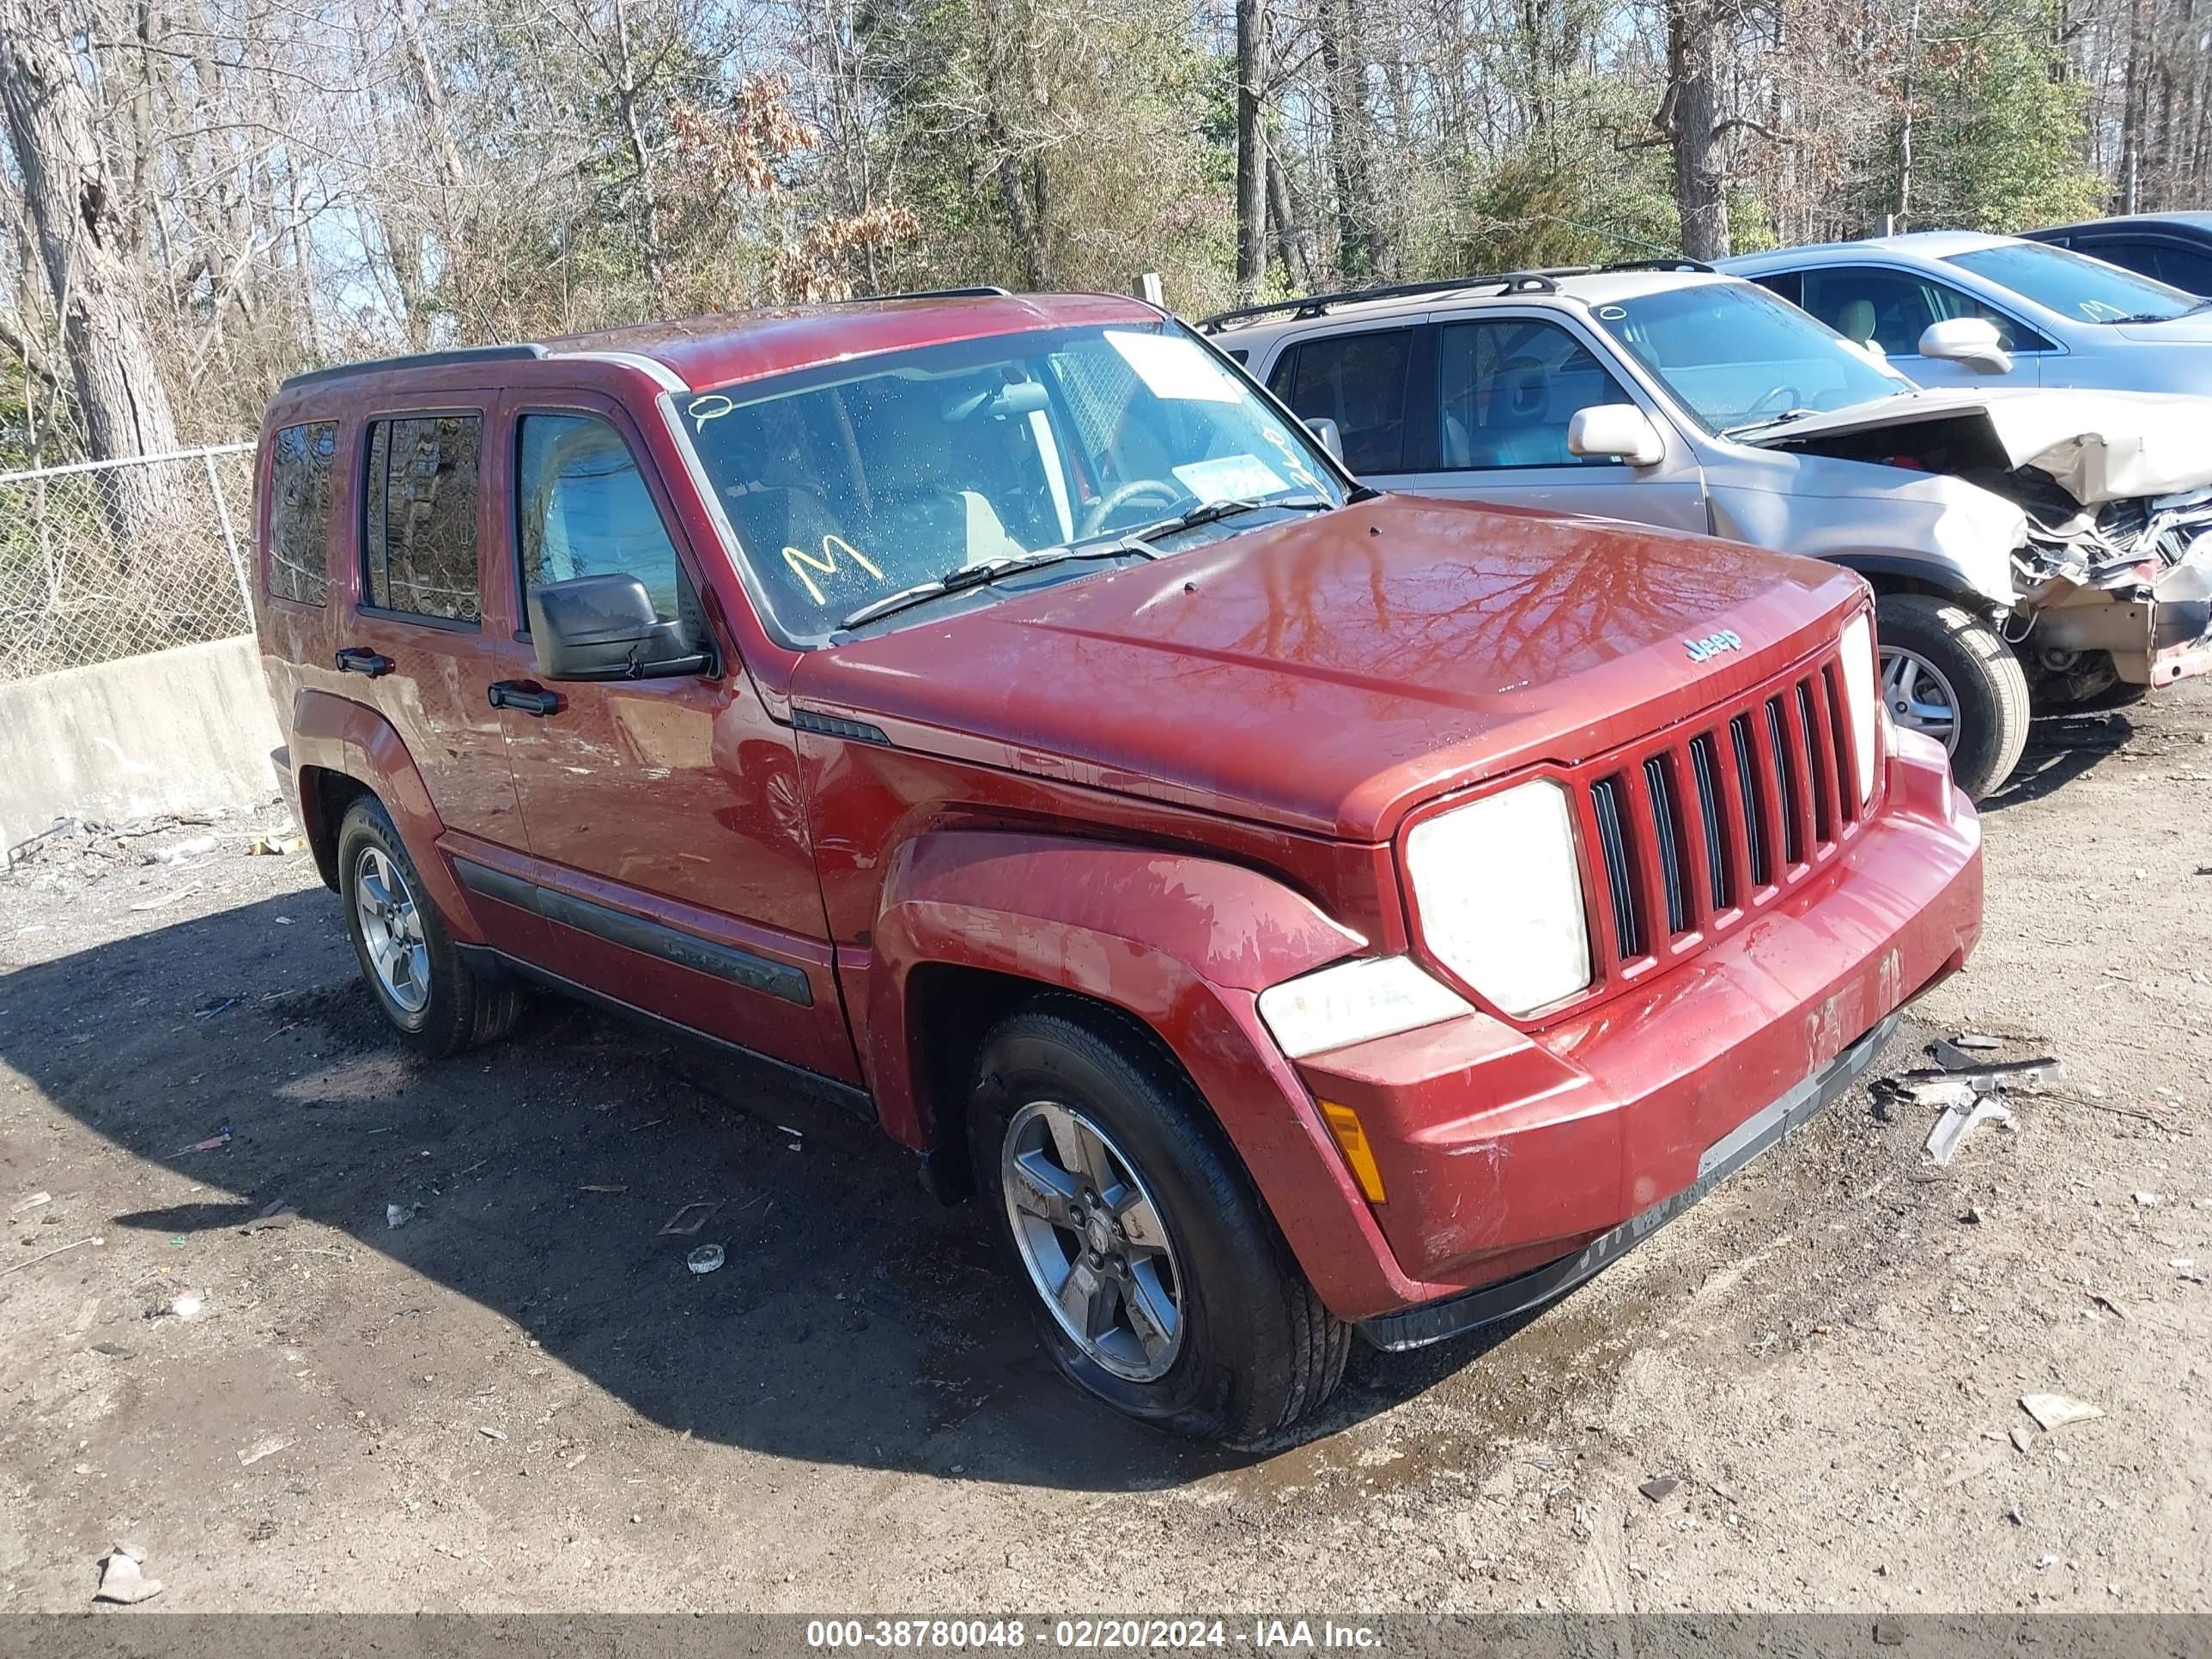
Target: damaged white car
pixel 2020 540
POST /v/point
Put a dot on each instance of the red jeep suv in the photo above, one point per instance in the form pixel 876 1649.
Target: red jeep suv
pixel 1294 910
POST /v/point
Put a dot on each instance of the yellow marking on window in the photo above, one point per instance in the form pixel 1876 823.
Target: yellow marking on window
pixel 800 562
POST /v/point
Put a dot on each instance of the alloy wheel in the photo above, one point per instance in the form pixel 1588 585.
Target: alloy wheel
pixel 1093 1240
pixel 1919 697
pixel 392 928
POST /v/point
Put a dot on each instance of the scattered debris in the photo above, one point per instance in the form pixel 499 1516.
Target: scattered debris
pixel 398 1215
pixel 2108 1305
pixel 212 1007
pixel 2055 1410
pixel 267 845
pixel 115 1350
pixel 705 1259
pixel 1971 1216
pixel 120 1581
pixel 1942 1093
pixel 794 1133
pixel 1974 1040
pixel 31 1203
pixel 1659 1486
pixel 281 921
pixel 198 846
pixel 688 1219
pixel 1957 1121
pixel 261 1448
pixel 166 900
pixel 598 1186
pixel 272 1216
pixel 2147 1200
pixel 221 1139
pixel 489 1433
pixel 186 1305
pixel 2022 1436
pixel 59 1250
pixel 1988 1077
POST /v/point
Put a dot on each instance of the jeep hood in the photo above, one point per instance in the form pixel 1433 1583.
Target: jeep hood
pixel 1330 672
pixel 2098 446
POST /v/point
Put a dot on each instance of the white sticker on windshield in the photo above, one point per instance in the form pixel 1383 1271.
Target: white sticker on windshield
pixel 1174 368
pixel 1231 478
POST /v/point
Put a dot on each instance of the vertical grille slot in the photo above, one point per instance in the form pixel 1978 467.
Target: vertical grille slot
pixel 1605 803
pixel 1785 774
pixel 1704 771
pixel 1816 766
pixel 1847 775
pixel 1746 783
pixel 1660 785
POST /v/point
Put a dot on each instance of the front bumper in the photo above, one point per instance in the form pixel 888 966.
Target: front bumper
pixel 1514 1163
pixel 1433 1322
pixel 2156 633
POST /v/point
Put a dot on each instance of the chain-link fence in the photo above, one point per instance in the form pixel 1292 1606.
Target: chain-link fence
pixel 108 559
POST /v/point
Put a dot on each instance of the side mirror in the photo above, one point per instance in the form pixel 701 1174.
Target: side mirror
pixel 1972 341
pixel 605 628
pixel 1330 434
pixel 1616 429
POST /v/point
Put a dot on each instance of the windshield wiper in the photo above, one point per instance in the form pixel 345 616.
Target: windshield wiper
pixel 981 575
pixel 1760 425
pixel 1213 512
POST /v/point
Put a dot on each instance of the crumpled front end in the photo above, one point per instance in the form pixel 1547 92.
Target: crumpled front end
pixel 2122 591
pixel 2108 583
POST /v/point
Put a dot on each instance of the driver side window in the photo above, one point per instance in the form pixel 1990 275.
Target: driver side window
pixel 582 509
pixel 1511 387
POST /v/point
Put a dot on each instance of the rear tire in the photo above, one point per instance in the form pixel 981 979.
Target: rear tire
pixel 1935 653
pixel 1177 1226
pixel 427 990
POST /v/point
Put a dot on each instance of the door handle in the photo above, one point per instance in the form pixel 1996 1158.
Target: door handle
pixel 354 660
pixel 521 694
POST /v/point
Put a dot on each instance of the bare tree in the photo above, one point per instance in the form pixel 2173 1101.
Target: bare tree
pixel 73 204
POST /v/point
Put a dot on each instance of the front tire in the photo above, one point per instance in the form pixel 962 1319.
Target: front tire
pixel 437 1003
pixel 1157 1279
pixel 1946 672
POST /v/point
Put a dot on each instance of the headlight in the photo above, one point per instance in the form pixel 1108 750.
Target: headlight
pixel 1863 700
pixel 1371 997
pixel 1499 891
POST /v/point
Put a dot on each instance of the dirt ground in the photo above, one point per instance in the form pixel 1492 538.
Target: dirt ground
pixel 521 1400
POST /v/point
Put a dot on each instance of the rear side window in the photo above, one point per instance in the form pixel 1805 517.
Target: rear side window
pixel 1357 380
pixel 583 510
pixel 419 527
pixel 300 511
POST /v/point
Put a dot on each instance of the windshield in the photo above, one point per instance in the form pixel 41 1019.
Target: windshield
pixel 854 483
pixel 1737 357
pixel 2074 285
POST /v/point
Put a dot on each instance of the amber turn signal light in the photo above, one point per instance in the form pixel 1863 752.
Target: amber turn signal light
pixel 1352 1140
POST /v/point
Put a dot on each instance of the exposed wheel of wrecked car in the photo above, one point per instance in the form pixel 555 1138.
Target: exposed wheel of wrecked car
pixel 1159 1282
pixel 1947 673
pixel 433 999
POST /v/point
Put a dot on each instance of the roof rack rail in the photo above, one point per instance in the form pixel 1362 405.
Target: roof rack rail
pixel 1679 262
pixel 1314 305
pixel 483 354
pixel 980 291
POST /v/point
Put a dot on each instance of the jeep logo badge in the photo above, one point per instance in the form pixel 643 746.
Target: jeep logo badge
pixel 1713 644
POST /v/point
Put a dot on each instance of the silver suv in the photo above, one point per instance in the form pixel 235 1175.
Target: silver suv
pixel 2017 538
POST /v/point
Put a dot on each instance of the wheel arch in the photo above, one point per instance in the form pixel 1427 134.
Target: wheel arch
pixel 1142 931
pixel 343 750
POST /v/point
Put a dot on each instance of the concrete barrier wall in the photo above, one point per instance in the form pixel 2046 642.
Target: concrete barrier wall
pixel 188 730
